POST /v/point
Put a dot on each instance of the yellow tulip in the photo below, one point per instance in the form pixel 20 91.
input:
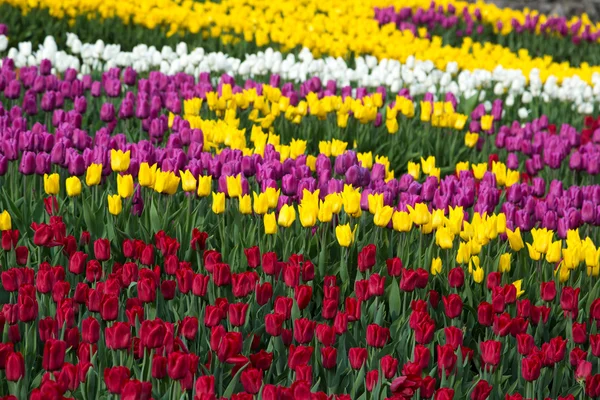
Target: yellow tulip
pixel 119 160
pixel 272 196
pixel 504 263
pixel 554 252
pixel 512 177
pixel 336 201
pixel 541 239
pixel 444 238
pixel 471 139
pixel 391 125
pixel 287 215
pixel 437 218
pixel 147 175
pixel 310 199
pixel 366 159
pixel 125 185
pixel 246 204
pixel 311 162
pixel 478 275
pixel 420 215
pixel 533 253
pixel 464 253
pixel 518 284
pixel 115 206
pixel 351 200
pixel 383 215
pixel 344 235
pixel 401 221
pixel 308 215
pixel 479 170
pixel 204 185
pixel 270 224
pixel 436 266
pixel 73 185
pixel 473 263
pixel 234 186
pixel 414 169
pixel 166 182
pixel 427 165
pixel 5 221
pixel 375 201
pixel 591 256
pixel 218 204
pixel 461 166
pixel 93 175
pixel 325 213
pixel 486 122
pixel 51 184
pixel 514 239
pixel 501 223
pixel 455 219
pixel 564 273
pixel 261 205
pixel 188 181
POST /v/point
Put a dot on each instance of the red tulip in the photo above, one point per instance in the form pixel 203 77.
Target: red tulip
pixel 444 394
pixel 68 377
pixel 592 386
pixel 115 379
pixel 394 266
pixel 291 275
pixel 304 330
pixel 185 280
pixel 205 385
pixel 136 390
pixel 371 379
pixel 408 282
pixel 298 356
pixel 43 235
pixel 10 239
pixel 304 373
pixel 21 255
pixel 485 314
pixel 353 309
pixel 376 285
pixel 579 332
pixel 303 295
pixel 328 357
pixel 262 360
pixel 530 368
pixel 361 289
pixel 422 355
pixel 456 277
pixel 569 301
pixel 109 307
pixel 252 380
pixel 357 357
pixel 493 280
pixel 198 241
pixel 490 352
pixel 481 391
pixel 159 366
pixel 366 257
pixel 434 298
pixel 583 371
pixel 548 291
pixel 525 343
pixel 340 323
pixel 446 359
pixel 90 330
pixel 54 354
pixel 152 333
pixel 389 366
pixel 264 293
pixel 15 367
pixel 253 256
pixel 230 345
pixel 221 274
pixel 428 385
pixel 178 365
pixel 326 334
pixel 189 327
pixel 243 284
pixel 498 302
pixel 118 336
pixel 200 285
pixel 502 324
pixel 576 356
pixel 147 256
pixel 452 305
pixel 274 324
pixel 377 336
pixel 595 344
pixel 102 249
pixel 77 262
pixel 424 331
pixel 237 313
pixel 541 313
pixel 523 308
pixel 48 328
pixel 454 336
pixel 283 306
pixel 167 289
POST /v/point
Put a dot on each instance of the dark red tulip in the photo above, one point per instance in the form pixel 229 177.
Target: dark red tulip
pixel 77 262
pixel 444 394
pixel 490 352
pixel 109 307
pixel 136 390
pixel 252 379
pixel 569 301
pixel 15 367
pixel 298 356
pixel 90 330
pixel 408 282
pixel 328 357
pixel 237 313
pixel 530 368
pixel 592 386
pixel 340 323
pixel 493 280
pixel 159 366
pixel 452 305
pixel 428 385
pixel 576 356
pixel 389 366
pixel 548 291
pixel 152 333
pixel 230 345
pixel 115 379
pixel 304 330
pixel 48 328
pixel 394 266
pixel 446 359
pixel 422 355
pixel 377 336
pixel 221 274
pixel 303 295
pixel 54 354
pixel 525 343
pixel 262 360
pixel 264 293
pixel 485 314
pixel 376 285
pixel 274 324
pixel 253 256
pixel 454 336
pixel 579 332
pixel 205 385
pixel 456 277
pixel 481 391
pixel 189 327
pixel 198 241
pixel 366 257
pixel 539 314
pixel 178 365
pixel 102 249
pixel 200 285
pixel 118 336
pixel 424 331
pixel 357 357
pixel 325 334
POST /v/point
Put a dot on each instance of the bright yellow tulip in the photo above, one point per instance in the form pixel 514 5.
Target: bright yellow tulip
pixel 218 204
pixel 51 184
pixel 115 206
pixel 287 215
pixel 73 185
pixel 344 235
pixel 270 224
pixel 188 181
pixel 5 221
pixel 119 160
pixel 93 175
pixel 125 185
pixel 204 186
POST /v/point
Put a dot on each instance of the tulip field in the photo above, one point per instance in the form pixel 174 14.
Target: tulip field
pixel 248 199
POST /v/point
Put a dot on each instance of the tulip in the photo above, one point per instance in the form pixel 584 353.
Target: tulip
pixel 218 204
pixel 401 221
pixel 5 221
pixel 15 367
pixel 147 175
pixel 270 224
pixel 344 235
pixel 51 184
pixel 287 215
pixel 125 185
pixel 114 204
pixel 234 186
pixel 119 160
pixel 54 354
pixel 93 174
pixel 436 266
pixel 515 239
